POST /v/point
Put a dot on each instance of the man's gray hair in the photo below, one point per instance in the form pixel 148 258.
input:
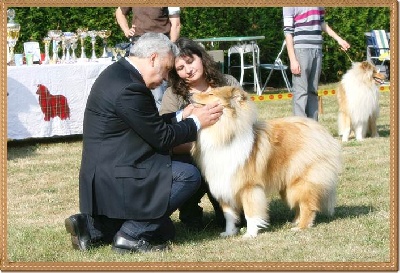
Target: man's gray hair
pixel 152 42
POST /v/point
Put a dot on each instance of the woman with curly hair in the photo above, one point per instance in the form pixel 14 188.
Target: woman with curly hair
pixel 194 71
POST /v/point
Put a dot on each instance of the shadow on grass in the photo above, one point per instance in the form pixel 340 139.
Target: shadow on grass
pixel 280 215
pixel 209 231
pixel 384 130
pixel 27 147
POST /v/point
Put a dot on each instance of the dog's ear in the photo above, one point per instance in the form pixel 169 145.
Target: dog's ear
pixel 41 88
pixel 366 65
pixel 239 94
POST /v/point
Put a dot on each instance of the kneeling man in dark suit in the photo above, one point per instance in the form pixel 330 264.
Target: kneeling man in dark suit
pixel 128 185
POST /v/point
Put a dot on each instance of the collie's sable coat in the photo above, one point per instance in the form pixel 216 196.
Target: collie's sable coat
pixel 358 99
pixel 244 160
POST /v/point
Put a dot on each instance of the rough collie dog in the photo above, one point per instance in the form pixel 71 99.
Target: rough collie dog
pixel 244 160
pixel 358 99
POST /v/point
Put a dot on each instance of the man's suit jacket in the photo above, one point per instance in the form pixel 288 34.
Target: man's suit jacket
pixel 126 168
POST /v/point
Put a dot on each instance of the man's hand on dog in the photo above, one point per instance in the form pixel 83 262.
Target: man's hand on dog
pixel 207 115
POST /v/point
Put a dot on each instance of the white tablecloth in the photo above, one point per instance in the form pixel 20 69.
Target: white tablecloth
pixel 26 119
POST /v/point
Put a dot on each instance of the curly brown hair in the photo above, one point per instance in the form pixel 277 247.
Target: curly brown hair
pixel 188 48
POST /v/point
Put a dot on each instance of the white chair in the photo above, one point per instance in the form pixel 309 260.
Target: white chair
pixel 277 65
pixel 253 51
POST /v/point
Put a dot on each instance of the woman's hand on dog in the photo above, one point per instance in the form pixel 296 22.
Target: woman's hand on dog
pixel 187 111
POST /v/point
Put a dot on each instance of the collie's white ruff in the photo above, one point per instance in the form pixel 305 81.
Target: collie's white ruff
pixel 358 99
pixel 244 160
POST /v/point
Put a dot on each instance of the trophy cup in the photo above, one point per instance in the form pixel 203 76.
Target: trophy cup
pixel 74 45
pixel 62 38
pixel 92 34
pixel 13 29
pixel 120 53
pixel 46 42
pixel 104 34
pixel 82 34
pixel 55 35
pixel 68 36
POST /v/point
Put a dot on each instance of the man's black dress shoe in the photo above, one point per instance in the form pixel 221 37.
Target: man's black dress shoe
pixel 123 244
pixel 76 225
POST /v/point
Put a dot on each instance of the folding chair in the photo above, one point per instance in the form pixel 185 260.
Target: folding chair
pixel 277 65
pixel 381 44
pixel 378 49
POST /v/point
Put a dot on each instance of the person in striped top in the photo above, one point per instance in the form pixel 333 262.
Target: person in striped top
pixel 303 27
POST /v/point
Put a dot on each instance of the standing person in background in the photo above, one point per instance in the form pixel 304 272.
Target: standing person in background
pixel 164 20
pixel 128 183
pixel 303 28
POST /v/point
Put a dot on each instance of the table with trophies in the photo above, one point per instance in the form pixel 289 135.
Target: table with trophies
pixel 48 99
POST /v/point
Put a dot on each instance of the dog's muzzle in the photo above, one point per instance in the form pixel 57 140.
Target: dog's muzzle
pixel 379 80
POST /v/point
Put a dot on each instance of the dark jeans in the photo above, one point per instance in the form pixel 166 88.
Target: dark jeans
pixel 186 180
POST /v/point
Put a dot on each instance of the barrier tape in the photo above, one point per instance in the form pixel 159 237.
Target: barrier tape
pixel 288 96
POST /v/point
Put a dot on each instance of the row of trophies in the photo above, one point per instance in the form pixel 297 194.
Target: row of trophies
pixel 69 41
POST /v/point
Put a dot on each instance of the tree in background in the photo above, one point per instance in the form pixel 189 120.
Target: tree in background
pixel 201 22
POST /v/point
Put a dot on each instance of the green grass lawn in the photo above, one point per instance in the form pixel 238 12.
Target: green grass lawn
pixel 43 190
